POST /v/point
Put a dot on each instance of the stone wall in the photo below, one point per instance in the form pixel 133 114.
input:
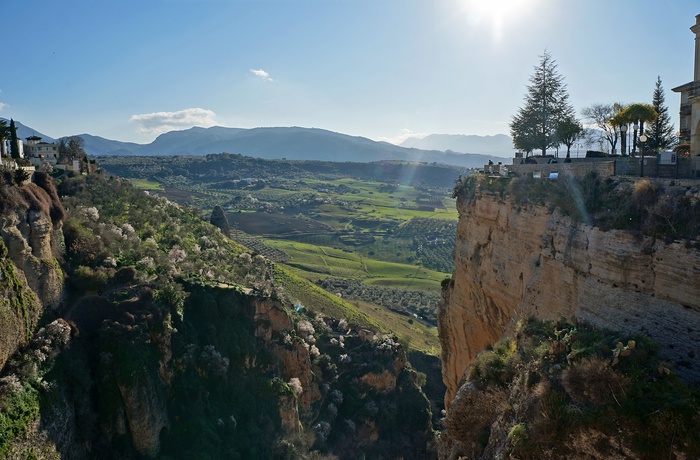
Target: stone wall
pixel 578 169
pixel 621 166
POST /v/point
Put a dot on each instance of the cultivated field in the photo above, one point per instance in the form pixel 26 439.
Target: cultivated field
pixel 389 226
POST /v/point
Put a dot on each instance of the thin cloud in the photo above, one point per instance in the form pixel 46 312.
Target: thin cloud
pixel 262 74
pixel 162 122
pixel 2 106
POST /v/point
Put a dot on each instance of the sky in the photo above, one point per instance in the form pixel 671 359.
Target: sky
pixel 130 70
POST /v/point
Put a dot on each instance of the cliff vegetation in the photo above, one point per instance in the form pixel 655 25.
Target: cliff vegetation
pixel 661 209
pixel 173 341
pixel 559 390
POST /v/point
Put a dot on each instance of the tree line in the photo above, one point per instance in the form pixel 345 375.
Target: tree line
pixel 547 120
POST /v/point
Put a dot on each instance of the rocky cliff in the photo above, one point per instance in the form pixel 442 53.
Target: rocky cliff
pixel 31 279
pixel 173 341
pixel 514 259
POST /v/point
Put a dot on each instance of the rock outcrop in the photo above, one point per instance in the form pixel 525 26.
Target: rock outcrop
pixel 31 279
pixel 514 260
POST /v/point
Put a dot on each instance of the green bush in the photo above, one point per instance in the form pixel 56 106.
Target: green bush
pixel 88 279
pixel 497 365
pixel 19 409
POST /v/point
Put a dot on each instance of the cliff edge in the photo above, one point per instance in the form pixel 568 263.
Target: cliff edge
pixel 515 258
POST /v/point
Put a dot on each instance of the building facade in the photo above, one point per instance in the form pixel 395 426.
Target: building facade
pixel 39 152
pixel 690 101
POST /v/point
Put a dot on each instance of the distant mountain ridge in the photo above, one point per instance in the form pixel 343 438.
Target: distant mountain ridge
pixel 293 143
pixel 498 145
pixel 24 132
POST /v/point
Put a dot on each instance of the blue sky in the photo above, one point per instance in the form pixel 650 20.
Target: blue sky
pixel 383 69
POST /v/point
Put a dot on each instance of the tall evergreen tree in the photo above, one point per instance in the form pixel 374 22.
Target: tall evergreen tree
pixel 14 141
pixel 218 218
pixel 660 132
pixel 546 104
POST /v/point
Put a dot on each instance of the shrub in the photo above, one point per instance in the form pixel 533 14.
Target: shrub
pixel 645 193
pixel 87 279
pixel 496 366
pixel 18 409
pixel 593 381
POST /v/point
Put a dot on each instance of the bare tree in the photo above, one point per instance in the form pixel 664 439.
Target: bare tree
pixel 599 115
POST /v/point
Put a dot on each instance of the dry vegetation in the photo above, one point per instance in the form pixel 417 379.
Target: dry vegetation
pixel 539 395
pixel 662 209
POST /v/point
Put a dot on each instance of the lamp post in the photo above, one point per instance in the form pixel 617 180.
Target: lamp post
pixel 642 140
pixel 634 138
pixel 623 139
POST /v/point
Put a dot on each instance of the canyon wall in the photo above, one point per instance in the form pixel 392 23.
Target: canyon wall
pixel 514 260
pixel 31 279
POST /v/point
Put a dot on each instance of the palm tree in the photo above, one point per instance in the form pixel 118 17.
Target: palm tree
pixel 638 114
pixel 617 122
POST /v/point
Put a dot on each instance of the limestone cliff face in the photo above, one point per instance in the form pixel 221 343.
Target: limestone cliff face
pixel 30 277
pixel 514 260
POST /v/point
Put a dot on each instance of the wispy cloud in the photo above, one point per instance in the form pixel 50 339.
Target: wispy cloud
pixel 2 106
pixel 262 74
pixel 161 122
pixel 403 134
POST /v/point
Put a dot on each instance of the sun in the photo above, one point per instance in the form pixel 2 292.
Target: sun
pixel 496 14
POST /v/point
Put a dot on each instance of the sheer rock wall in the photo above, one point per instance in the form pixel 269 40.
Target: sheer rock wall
pixel 512 261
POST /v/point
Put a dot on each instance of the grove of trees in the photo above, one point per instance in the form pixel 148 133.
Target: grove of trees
pixel 547 120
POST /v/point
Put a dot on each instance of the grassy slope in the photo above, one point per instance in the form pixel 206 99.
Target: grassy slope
pixel 320 262
pixel 311 262
pixel 416 336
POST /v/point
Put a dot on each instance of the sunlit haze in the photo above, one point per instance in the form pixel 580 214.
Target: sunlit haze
pixel 386 70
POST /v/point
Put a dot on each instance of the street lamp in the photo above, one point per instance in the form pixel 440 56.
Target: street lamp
pixel 623 139
pixel 642 140
pixel 634 139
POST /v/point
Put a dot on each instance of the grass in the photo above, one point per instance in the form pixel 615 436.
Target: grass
pixel 319 262
pixel 145 184
pixel 410 332
pixel 370 199
pixel 316 299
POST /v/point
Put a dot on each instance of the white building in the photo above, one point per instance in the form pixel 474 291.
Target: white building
pixel 39 152
pixel 7 149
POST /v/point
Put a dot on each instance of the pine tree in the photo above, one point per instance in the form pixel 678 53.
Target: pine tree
pixel 660 132
pixel 546 104
pixel 14 142
pixel 218 218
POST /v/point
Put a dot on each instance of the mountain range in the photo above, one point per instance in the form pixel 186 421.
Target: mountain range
pixel 497 145
pixel 298 144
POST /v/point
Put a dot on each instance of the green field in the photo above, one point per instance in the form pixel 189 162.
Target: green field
pixel 390 227
pixel 318 262
pixel 146 184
